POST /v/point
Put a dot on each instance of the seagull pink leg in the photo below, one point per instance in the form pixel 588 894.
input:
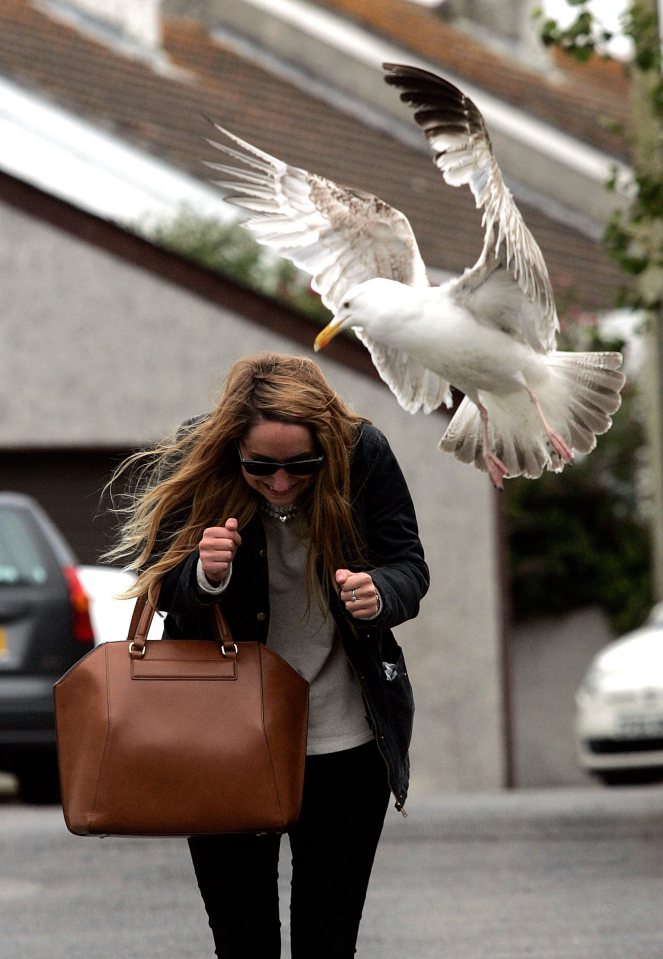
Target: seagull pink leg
pixel 560 446
pixel 496 468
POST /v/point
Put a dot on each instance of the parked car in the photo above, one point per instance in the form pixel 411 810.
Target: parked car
pixel 619 714
pixel 45 628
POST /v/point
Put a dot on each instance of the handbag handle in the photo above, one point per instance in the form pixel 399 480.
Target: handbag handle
pixel 141 620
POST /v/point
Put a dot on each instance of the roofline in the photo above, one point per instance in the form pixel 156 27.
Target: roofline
pixel 76 159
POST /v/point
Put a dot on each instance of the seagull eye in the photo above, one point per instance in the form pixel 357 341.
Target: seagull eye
pixel 346 304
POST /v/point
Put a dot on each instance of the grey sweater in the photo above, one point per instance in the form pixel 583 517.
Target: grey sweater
pixel 309 641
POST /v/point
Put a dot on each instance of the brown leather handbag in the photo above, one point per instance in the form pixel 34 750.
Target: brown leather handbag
pixel 180 737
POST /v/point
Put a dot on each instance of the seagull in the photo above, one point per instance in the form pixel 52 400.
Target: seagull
pixel 490 332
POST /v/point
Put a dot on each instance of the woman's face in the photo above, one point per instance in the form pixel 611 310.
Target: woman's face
pixel 273 440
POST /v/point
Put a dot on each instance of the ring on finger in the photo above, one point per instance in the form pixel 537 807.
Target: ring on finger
pixel 353 596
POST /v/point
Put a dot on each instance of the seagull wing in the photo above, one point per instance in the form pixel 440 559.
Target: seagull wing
pixel 338 235
pixel 456 132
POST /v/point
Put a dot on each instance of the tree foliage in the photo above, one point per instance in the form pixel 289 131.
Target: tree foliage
pixel 582 39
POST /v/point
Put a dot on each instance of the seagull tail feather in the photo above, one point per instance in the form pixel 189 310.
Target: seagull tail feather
pixel 577 399
pixel 589 385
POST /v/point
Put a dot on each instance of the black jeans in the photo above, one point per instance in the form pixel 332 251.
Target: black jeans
pixel 333 846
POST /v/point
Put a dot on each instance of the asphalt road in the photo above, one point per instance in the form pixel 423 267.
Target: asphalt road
pixel 564 874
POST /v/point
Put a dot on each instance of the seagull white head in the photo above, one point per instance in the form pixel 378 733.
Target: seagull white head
pixel 367 306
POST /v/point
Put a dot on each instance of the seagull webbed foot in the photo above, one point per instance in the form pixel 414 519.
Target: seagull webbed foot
pixel 496 469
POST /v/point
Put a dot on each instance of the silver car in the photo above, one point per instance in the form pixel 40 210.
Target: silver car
pixel 619 708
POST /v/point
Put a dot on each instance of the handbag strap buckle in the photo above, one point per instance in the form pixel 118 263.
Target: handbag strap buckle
pixel 142 618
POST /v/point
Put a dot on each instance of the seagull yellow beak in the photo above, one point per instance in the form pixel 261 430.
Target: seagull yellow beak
pixel 325 336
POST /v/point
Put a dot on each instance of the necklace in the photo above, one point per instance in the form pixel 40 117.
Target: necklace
pixel 282 513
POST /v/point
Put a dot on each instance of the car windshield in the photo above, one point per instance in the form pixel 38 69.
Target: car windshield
pixel 21 553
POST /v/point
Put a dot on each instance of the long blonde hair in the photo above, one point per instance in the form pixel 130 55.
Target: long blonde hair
pixel 194 480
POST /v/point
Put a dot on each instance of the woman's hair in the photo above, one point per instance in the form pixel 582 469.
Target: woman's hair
pixel 194 480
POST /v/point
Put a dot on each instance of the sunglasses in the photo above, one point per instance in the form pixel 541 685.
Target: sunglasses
pixel 301 467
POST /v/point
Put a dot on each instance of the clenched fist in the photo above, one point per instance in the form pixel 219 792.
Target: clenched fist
pixel 359 594
pixel 217 548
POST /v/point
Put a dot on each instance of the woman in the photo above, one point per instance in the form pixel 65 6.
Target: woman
pixel 293 514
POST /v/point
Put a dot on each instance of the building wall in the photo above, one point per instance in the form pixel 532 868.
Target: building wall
pixel 549 658
pixel 99 355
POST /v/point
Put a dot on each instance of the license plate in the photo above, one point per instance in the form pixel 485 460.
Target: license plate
pixel 635 727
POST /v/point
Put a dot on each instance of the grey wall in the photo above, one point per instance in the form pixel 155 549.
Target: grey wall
pixel 549 658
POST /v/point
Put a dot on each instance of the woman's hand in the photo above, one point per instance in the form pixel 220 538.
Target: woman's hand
pixel 359 594
pixel 217 549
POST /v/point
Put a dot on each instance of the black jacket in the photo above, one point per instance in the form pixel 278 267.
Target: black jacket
pixel 384 514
